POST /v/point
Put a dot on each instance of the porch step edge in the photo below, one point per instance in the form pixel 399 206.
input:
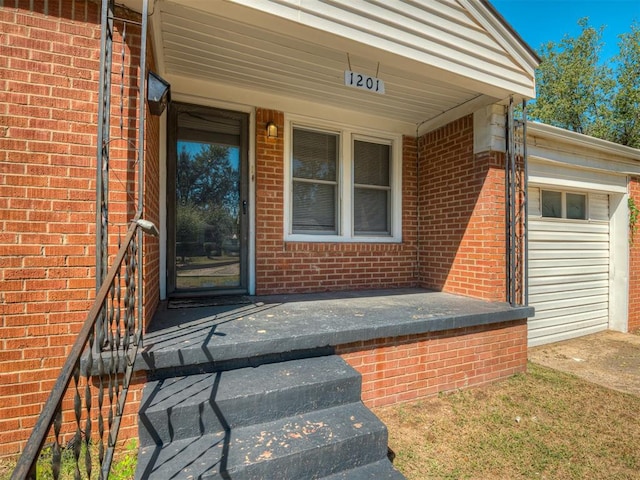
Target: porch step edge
pixel 380 470
pixel 313 445
pixel 194 405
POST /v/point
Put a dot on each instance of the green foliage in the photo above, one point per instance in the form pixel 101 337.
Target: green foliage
pixel 122 468
pixel 579 92
pixel 190 222
pixel 207 177
pixel 572 87
pixel 625 125
pixel 633 218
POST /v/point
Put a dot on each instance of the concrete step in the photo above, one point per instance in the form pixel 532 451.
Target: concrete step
pixel 380 470
pixel 316 444
pixel 195 405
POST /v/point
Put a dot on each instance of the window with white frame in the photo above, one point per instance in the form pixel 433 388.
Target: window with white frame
pixel 315 182
pixel 344 185
pixel 569 205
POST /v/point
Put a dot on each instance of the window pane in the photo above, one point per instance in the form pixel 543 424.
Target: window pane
pixel 314 207
pixel 576 206
pixel 315 155
pixel 370 211
pixel 551 204
pixel 371 163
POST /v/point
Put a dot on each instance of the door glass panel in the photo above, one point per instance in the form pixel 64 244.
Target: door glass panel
pixel 208 237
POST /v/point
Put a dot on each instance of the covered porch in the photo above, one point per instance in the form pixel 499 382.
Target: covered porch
pixel 236 381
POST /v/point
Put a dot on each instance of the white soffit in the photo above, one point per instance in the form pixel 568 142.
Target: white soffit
pixel 438 58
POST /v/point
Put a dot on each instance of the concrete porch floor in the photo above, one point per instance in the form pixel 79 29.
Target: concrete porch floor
pixel 278 326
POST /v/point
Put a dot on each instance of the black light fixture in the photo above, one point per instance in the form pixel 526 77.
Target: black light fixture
pixel 158 93
pixel 272 130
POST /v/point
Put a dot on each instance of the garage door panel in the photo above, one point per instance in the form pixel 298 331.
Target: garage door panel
pixel 558 313
pixel 593 316
pixel 587 228
pixel 567 236
pixel 567 326
pixel 572 301
pixel 569 262
pixel 569 267
pixel 559 271
pixel 558 254
pixel 568 246
pixel 559 279
pixel 542 338
pixel 572 296
pixel 567 287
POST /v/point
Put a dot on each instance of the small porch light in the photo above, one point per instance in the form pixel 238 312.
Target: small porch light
pixel 158 94
pixel 272 130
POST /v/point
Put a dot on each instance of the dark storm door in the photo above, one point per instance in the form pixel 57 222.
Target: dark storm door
pixel 207 201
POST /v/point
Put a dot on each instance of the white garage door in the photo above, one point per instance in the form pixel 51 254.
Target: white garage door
pixel 569 264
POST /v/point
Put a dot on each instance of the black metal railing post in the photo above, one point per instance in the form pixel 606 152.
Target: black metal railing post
pixel 79 367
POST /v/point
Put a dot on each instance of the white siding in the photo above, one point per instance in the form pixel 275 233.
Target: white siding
pixel 569 268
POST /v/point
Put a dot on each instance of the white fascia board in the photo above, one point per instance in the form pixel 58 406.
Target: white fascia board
pixel 561 145
pixel 205 92
pixel 544 173
pixel 520 51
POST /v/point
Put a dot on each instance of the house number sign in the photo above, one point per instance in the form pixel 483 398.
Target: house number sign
pixel 363 82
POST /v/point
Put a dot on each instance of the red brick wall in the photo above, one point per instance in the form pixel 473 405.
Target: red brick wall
pixel 287 267
pixel 49 71
pixel 634 265
pixel 461 198
pixel 415 366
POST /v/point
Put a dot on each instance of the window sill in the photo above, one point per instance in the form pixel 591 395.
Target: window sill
pixel 339 239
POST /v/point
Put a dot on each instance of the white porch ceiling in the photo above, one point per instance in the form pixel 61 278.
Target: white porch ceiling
pixel 259 55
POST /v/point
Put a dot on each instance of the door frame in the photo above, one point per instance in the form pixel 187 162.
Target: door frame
pixel 246 194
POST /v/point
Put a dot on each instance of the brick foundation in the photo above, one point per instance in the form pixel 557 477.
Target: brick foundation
pixel 411 367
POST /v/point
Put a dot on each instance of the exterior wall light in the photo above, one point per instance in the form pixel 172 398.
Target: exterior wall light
pixel 158 94
pixel 272 130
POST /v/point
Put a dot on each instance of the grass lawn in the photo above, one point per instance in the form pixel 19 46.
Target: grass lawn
pixel 542 425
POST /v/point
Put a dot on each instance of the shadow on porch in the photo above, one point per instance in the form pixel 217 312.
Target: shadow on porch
pixel 252 327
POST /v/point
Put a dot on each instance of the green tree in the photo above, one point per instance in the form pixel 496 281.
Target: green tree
pixel 625 121
pixel 207 177
pixel 573 89
pixel 577 91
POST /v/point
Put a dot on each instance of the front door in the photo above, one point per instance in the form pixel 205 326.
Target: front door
pixel 207 201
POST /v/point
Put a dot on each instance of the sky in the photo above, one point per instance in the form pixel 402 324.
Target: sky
pixel 540 21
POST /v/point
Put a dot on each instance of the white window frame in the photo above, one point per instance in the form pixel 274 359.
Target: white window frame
pixel 347 135
pixel 563 204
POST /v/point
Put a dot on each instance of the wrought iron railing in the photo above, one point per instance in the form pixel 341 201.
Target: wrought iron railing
pixel 516 187
pixel 92 388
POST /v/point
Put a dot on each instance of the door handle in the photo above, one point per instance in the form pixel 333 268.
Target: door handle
pixel 244 207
